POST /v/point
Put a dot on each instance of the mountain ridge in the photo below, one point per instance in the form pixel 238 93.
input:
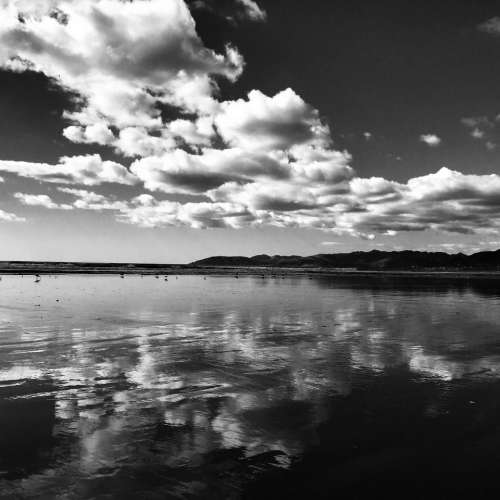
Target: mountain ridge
pixel 370 260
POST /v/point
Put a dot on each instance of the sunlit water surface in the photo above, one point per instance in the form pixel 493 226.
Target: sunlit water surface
pixel 219 387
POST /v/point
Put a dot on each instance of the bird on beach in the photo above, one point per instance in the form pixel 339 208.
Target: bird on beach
pixel 37 278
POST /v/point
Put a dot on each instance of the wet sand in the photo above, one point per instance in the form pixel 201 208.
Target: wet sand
pixel 216 387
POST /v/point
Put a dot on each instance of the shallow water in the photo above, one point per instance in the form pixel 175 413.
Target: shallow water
pixel 247 388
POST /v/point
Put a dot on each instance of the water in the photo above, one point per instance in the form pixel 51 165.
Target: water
pixel 247 388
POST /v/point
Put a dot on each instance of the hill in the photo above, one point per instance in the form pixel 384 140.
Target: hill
pixel 373 260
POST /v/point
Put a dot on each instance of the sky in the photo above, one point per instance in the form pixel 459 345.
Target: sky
pixel 172 130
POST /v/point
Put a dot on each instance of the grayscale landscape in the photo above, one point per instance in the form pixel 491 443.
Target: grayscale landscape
pixel 249 249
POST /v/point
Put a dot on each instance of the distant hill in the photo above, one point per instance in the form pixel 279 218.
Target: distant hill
pixel 373 260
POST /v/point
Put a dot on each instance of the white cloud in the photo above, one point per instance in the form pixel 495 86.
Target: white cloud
pixel 375 189
pixel 41 200
pixel 446 201
pixel 477 134
pixel 181 172
pixel 88 170
pixel 231 11
pixel 10 217
pixel 254 12
pixel 98 133
pixel 145 211
pixel 258 160
pixel 88 200
pixel 121 57
pixel 430 139
pixel 136 141
pixel 198 133
pixel 270 123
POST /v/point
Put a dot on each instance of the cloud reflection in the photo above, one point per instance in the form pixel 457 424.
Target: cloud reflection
pixel 205 366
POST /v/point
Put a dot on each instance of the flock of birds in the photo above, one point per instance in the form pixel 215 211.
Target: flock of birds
pixel 236 276
pixel 122 275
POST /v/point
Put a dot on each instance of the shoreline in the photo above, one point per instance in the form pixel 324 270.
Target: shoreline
pixel 172 270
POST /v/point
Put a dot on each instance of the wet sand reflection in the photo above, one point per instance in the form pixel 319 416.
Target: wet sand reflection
pixel 217 387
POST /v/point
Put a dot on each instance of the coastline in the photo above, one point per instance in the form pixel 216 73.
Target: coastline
pixel 51 268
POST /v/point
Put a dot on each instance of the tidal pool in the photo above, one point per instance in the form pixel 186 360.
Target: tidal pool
pixel 215 387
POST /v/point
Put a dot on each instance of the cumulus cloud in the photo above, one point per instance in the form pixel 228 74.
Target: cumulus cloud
pixel 231 9
pixel 182 172
pixel 89 170
pixel 136 141
pixel 10 217
pixel 200 132
pixel 258 160
pixel 98 133
pixel 122 58
pixel 445 201
pixel 146 211
pixel 477 133
pixel 254 12
pixel 431 140
pixel 41 200
pixel 88 200
pixel 269 123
